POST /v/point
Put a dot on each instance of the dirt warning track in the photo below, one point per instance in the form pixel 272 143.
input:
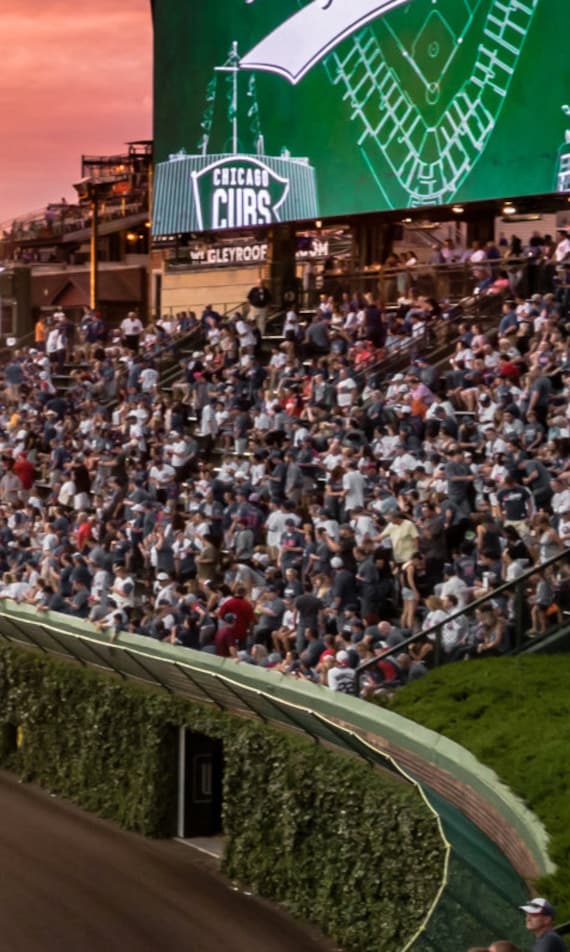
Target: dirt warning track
pixel 73 883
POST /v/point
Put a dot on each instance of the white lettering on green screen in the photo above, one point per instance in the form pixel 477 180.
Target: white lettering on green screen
pixel 240 207
pixel 238 175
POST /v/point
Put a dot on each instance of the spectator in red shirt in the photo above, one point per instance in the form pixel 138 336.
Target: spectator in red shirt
pixel 509 370
pixel 84 531
pixel 239 606
pixel 25 471
pixel 226 639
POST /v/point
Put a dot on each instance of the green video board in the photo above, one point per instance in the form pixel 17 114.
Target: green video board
pixel 277 110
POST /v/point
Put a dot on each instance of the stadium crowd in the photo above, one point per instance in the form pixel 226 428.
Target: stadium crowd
pixel 305 512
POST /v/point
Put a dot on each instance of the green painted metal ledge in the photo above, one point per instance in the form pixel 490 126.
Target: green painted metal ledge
pixel 495 845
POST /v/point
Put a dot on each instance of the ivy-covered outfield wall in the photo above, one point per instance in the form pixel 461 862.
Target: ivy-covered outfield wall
pixel 337 842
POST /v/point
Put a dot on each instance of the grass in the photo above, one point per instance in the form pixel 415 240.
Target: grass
pixel 514 715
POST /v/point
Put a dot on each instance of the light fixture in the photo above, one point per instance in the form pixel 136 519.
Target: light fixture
pixel 131 236
pixel 457 209
pixel 318 223
pixel 509 209
pixel 406 221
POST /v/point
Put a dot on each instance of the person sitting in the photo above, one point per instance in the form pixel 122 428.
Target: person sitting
pixel 490 632
pixel 436 615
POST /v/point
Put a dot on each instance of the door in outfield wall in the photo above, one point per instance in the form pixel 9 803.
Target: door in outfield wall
pixel 203 786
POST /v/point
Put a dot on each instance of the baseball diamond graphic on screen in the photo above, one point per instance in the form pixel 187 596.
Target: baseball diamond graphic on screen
pixel 389 104
pixel 563 180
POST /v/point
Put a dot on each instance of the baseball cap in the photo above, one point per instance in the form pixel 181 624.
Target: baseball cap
pixel 337 563
pixel 342 657
pixel 539 907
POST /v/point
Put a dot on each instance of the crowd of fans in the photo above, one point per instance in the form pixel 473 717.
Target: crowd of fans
pixel 302 511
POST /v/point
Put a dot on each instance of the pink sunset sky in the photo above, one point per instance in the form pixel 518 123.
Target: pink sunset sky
pixel 74 78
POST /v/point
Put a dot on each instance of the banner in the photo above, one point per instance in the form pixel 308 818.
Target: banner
pixel 226 254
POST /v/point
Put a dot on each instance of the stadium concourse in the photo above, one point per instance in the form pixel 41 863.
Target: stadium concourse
pixel 307 512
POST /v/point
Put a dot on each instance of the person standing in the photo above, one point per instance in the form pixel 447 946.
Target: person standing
pixel 242 610
pixel 293 479
pixel 131 330
pixel 374 327
pixel 259 300
pixel 354 485
pixel 40 334
pixel 403 536
pixel 55 346
pixel 540 916
pixel 13 379
pixel 460 478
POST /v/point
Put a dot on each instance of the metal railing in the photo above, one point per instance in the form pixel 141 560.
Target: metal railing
pixel 6 352
pixel 172 368
pixel 224 309
pixel 451 281
pixel 514 597
pixel 437 338
pixel 40 226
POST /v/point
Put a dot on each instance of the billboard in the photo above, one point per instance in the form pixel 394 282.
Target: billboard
pixel 274 111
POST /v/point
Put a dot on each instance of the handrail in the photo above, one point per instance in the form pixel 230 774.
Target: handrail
pixel 170 372
pixel 228 308
pixel 450 281
pixel 172 309
pixel 275 315
pixel 421 343
pixel 441 267
pixel 25 341
pixel 468 609
pixel 77 219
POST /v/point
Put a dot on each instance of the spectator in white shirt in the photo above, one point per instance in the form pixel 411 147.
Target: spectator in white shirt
pixel 345 389
pixel 131 330
pixel 353 484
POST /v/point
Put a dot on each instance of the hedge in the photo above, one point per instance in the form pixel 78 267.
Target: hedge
pixel 514 715
pixel 338 843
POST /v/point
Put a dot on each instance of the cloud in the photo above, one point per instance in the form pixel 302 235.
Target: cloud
pixel 69 84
